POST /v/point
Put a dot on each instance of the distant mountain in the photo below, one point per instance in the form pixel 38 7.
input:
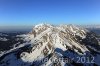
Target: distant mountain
pixel 10 29
pixel 90 26
pixel 50 45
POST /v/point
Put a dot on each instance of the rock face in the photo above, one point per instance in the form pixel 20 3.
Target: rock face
pixel 50 45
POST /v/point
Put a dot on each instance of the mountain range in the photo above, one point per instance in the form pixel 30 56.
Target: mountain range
pixel 54 45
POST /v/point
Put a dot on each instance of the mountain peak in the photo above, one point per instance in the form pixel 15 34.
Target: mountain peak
pixel 42 25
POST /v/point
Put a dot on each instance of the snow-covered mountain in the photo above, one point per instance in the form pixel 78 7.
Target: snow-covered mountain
pixel 50 45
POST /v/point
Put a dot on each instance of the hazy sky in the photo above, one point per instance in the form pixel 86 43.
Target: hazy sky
pixel 29 12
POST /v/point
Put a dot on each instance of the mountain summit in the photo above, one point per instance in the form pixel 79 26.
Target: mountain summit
pixel 50 45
